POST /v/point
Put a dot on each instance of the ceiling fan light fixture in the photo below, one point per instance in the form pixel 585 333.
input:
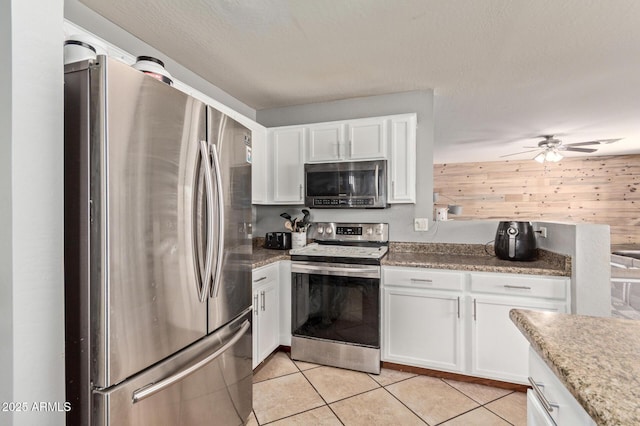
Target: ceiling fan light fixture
pixel 553 156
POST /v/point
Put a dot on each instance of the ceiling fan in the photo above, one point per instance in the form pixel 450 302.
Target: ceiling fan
pixel 551 147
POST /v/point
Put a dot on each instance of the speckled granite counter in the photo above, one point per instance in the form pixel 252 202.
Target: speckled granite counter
pixel 597 359
pixel 262 256
pixel 472 257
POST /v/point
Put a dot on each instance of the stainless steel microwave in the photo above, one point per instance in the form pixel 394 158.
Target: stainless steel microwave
pixel 357 184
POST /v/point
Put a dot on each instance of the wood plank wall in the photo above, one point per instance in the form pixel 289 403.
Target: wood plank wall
pixel 603 190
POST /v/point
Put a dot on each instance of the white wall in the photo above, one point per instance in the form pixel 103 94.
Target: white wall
pixel 399 216
pixel 31 190
pixel 590 251
pixel 6 234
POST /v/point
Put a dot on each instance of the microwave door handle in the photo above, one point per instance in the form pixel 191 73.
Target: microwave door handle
pixel 377 183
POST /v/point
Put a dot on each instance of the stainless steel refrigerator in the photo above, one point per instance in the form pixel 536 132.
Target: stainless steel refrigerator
pixel 157 253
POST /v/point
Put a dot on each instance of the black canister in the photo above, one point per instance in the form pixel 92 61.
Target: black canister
pixel 516 241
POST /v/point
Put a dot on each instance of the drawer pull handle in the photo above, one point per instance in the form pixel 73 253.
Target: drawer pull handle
pixel 543 400
pixel 421 280
pixel 259 279
pixel 519 287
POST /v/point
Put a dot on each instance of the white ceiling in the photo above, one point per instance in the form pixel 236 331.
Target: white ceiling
pixel 503 71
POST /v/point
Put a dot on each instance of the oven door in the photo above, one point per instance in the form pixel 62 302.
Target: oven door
pixel 336 302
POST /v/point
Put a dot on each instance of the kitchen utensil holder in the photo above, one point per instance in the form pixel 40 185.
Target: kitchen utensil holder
pixel 298 239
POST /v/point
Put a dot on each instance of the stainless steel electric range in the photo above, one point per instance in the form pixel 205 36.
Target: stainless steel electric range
pixel 336 295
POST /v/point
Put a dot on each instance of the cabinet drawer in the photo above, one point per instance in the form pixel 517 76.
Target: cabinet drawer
pixel 520 285
pixel 566 409
pixel 422 278
pixel 264 275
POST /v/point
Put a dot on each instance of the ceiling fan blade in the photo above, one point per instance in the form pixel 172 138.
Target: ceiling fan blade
pixel 518 153
pixel 598 142
pixel 570 148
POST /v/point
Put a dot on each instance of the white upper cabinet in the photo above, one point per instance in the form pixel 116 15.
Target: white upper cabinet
pixel 325 143
pixel 367 139
pixel 279 168
pixel 259 194
pixel 402 159
pixel 287 166
pixel 351 140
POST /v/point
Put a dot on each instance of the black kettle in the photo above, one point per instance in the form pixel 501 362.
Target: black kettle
pixel 516 241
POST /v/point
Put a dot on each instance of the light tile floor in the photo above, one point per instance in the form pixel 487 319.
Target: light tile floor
pixel 287 392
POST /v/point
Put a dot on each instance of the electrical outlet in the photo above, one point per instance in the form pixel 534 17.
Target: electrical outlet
pixel 421 224
pixel 543 232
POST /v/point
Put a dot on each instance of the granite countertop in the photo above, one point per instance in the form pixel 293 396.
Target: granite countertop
pixel 597 359
pixel 463 257
pixel 472 257
pixel 262 256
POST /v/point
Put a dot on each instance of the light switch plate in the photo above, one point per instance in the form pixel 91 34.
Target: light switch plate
pixel 421 224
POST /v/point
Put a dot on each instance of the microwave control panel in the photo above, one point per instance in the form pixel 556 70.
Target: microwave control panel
pixel 335 202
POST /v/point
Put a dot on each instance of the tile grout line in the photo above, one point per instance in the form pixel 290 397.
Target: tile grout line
pixel 321 397
pixel 379 385
pixel 493 412
pixel 480 404
pixel 402 402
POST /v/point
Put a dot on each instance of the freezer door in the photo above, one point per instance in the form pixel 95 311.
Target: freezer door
pixel 230 147
pixel 147 296
pixel 218 390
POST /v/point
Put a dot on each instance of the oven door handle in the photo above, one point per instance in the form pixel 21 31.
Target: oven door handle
pixel 366 272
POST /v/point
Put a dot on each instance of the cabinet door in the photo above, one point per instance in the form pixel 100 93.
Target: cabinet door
pixel 325 143
pixel 288 169
pixel 499 350
pixel 269 327
pixel 367 139
pixel 255 340
pixel 259 165
pixel 423 328
pixel 402 159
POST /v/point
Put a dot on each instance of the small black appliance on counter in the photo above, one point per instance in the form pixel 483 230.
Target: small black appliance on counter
pixel 516 241
pixel 277 240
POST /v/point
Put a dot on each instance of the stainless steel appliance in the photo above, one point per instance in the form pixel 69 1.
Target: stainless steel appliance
pixel 358 184
pixel 336 296
pixel 515 241
pixel 277 240
pixel 157 253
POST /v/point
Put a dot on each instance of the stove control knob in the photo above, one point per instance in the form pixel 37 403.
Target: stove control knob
pixel 329 230
pixel 320 230
pixel 379 231
pixel 369 231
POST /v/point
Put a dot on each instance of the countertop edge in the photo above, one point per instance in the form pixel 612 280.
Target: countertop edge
pixel 478 268
pixel 538 343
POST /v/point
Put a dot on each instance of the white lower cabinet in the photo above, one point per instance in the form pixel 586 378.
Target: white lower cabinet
pixel 459 322
pixel 550 403
pixel 423 322
pixel 498 349
pixel 423 328
pixel 266 308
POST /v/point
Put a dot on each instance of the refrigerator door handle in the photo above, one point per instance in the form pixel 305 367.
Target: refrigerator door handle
pixel 208 180
pixel 151 389
pixel 220 199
